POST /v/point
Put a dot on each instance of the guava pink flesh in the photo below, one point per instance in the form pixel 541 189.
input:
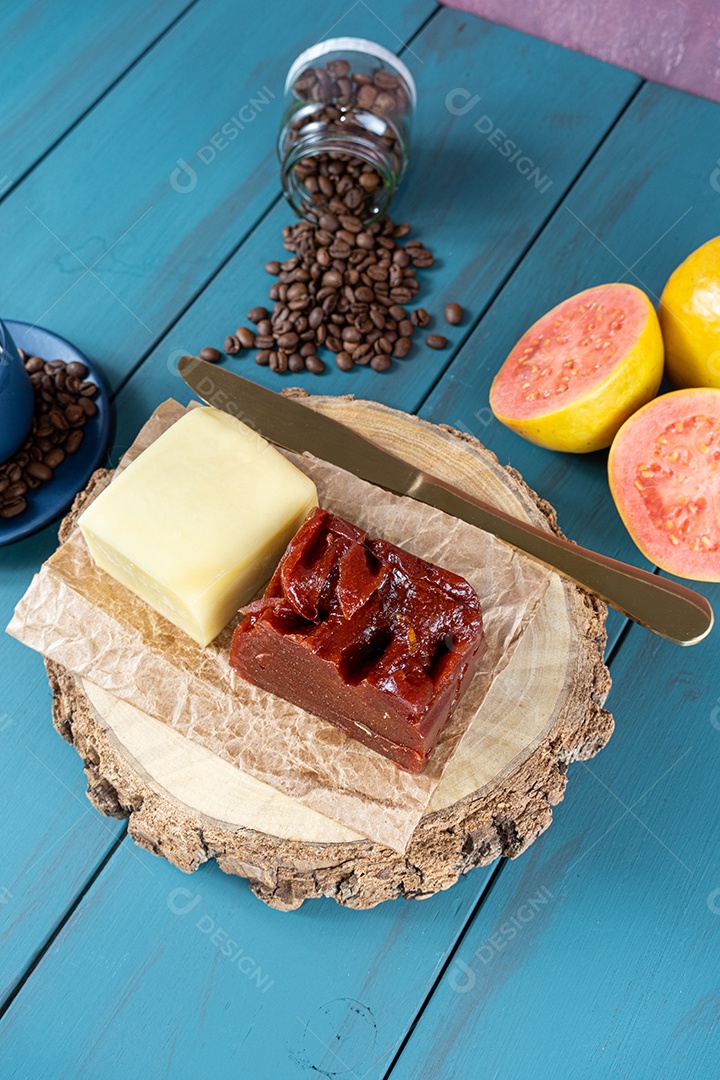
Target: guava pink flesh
pixel 665 477
pixel 569 351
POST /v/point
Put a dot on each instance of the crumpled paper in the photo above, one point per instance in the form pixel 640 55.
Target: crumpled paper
pixel 77 615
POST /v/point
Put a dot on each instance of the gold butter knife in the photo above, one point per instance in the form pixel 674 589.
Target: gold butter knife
pixel 664 607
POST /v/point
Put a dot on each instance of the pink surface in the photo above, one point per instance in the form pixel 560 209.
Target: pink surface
pixel 676 42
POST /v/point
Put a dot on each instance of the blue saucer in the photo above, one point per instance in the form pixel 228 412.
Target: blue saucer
pixel 50 500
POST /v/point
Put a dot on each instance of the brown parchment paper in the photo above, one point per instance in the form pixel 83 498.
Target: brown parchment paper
pixel 77 615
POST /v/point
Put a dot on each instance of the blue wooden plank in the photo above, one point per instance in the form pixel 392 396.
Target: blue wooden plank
pixel 478 228
pixel 58 58
pixel 166 975
pixel 597 953
pixel 646 201
pixel 51 837
pixel 107 246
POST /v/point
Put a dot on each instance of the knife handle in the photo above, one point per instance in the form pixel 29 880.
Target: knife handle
pixel 666 608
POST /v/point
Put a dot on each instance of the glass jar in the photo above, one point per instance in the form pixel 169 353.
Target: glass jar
pixel 345 135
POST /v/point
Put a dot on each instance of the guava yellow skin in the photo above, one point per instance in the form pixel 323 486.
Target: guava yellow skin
pixel 690 319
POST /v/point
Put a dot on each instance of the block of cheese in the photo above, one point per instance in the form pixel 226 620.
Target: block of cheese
pixel 197 523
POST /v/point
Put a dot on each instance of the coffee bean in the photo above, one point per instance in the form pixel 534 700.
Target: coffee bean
pixel 401 295
pixel 272 267
pixel 57 419
pixel 436 341
pixel 381 362
pixel 76 369
pixel 402 347
pixel 75 415
pixel 54 458
pixel 332 279
pixel 314 365
pixel 74 439
pixel 231 345
pixel 33 364
pixel 39 470
pixel 211 355
pixel 453 314
pixel 264 341
pixel 88 407
pixel 344 361
pixel 377 272
pixel 278 361
pixel 351 223
pixel 419 317
pixel 257 314
pixel 325 186
pixel 245 336
pixel 262 357
pixel 288 341
pixel 264 327
pixel 296 362
pixel 12 509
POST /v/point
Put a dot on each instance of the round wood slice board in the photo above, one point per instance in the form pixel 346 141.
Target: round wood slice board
pixel 188 805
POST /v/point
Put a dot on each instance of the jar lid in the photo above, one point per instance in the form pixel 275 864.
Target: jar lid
pixel 350 44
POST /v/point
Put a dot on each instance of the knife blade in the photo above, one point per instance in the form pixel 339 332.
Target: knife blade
pixel 662 606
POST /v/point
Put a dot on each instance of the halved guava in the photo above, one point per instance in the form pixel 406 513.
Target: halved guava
pixel 577 374
pixel 664 472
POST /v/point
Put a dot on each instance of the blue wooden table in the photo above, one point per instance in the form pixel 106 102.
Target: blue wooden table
pixel 616 973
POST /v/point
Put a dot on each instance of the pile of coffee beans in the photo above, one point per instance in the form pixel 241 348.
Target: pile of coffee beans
pixel 346 289
pixel 349 283
pixel 63 405
pixel 348 105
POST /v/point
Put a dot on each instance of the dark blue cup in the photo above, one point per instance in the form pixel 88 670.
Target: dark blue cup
pixel 17 400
